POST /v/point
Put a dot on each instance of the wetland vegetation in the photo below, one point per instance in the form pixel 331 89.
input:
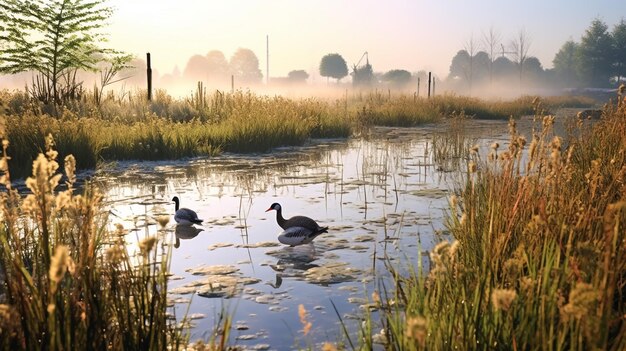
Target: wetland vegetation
pixel 531 248
pixel 448 227
pixel 205 125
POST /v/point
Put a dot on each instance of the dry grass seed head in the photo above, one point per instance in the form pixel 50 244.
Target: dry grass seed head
pixel 417 329
pixel 582 300
pixel 60 263
pixel 502 299
pixel 146 245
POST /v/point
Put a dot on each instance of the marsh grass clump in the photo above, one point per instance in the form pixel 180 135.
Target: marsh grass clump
pixel 399 111
pixel 68 282
pixel 540 260
pixel 131 128
pixel 453 145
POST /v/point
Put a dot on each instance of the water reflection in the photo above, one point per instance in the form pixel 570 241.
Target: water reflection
pixel 383 195
pixel 185 232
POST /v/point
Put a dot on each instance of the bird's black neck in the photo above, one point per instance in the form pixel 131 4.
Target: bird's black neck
pixel 279 218
pixel 176 204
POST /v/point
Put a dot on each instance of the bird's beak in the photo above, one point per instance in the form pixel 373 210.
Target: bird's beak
pixel 269 209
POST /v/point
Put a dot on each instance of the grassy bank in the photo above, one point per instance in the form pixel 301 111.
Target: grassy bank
pixel 128 127
pixel 70 283
pixel 538 260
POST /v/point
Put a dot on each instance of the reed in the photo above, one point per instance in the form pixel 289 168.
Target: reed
pixel 68 280
pixel 537 259
pixel 128 127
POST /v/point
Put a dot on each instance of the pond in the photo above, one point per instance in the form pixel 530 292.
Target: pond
pixel 383 197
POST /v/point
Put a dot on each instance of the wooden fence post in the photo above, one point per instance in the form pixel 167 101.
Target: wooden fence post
pixel 149 72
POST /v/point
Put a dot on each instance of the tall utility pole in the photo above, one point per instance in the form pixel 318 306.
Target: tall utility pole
pixel 267 60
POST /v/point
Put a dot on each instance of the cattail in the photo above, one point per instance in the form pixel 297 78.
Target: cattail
pixel 495 146
pixel 582 301
pixel 119 230
pixel 505 156
pixel 163 220
pixel 441 248
pixel 59 263
pixel 548 121
pixel 417 329
pixel 556 143
pixel 502 299
pixel 63 199
pixel 527 284
pixel 472 167
pixel 7 317
pixel 115 254
pixel 376 297
pixel 454 248
pixel 454 201
pixel 533 146
pixel 70 168
pixel 146 245
pixel 474 149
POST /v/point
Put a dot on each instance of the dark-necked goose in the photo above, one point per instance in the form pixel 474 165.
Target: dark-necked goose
pixel 297 230
pixel 185 215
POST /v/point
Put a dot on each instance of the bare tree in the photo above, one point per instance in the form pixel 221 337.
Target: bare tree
pixel 491 41
pixel 472 47
pixel 519 48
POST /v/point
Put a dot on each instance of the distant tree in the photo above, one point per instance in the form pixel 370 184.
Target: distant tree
pixel 55 39
pixel 197 68
pixel 459 68
pixel 460 65
pixel 333 66
pixel 471 47
pixel 245 67
pixel 534 70
pixel 491 41
pixel 397 77
pixel 596 53
pixel 619 49
pixel 503 69
pixel 566 64
pixel 217 66
pixel 298 76
pixel 519 47
pixel 482 64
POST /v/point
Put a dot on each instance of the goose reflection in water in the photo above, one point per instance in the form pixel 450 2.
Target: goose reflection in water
pixel 185 232
pixel 292 263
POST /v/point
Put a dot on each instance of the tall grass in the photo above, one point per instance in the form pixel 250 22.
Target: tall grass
pixel 70 283
pixel 128 127
pixel 538 260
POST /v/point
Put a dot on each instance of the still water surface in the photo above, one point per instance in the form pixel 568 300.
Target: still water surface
pixel 383 195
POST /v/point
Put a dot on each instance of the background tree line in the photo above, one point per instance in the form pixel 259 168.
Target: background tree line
pixel 598 60
pixel 59 41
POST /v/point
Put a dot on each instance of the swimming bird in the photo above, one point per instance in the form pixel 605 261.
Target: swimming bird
pixel 298 230
pixel 185 215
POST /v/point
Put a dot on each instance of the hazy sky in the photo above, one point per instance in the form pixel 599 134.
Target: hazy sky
pixel 411 35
